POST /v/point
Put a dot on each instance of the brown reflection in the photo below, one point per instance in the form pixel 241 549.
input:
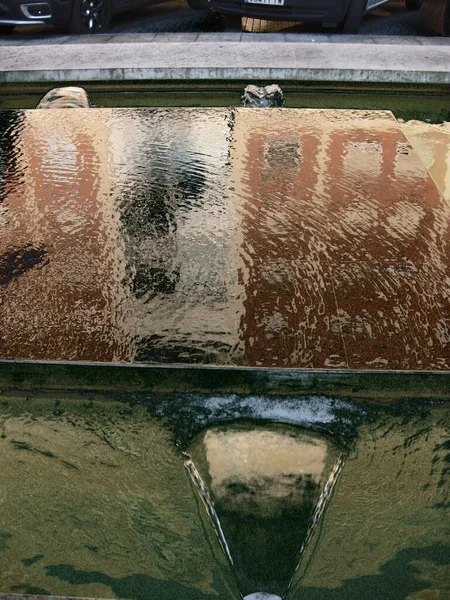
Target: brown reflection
pixel 130 208
pixel 305 239
pixel 345 251
pixel 432 144
pixel 265 483
pixel 60 219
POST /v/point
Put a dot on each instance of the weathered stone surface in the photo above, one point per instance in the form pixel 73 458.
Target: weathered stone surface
pixel 261 97
pixel 192 56
pixel 65 97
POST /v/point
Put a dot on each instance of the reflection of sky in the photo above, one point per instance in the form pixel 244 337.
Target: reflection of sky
pixel 179 243
pixel 432 144
pixel 256 454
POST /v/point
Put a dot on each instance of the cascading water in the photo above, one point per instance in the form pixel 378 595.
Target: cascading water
pixel 207 237
pixel 264 488
pixel 208 503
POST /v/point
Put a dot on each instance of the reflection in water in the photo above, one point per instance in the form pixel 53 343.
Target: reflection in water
pixel 206 236
pixel 63 217
pixel 96 502
pixel 11 123
pixel 386 533
pixel 345 253
pixel 263 488
pixel 432 144
pixel 173 212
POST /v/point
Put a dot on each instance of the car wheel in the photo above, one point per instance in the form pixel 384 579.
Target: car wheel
pixel 6 29
pixel 354 16
pixel 90 16
pixel 198 4
pixel 413 4
pixel 234 23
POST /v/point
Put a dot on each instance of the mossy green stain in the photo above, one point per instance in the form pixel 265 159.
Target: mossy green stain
pixel 398 578
pixel 30 561
pixel 137 586
pixel 4 539
pixel 30 589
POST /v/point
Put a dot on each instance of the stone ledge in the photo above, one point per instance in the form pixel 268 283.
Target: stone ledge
pixel 230 60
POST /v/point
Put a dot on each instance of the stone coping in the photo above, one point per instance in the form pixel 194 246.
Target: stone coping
pixel 225 57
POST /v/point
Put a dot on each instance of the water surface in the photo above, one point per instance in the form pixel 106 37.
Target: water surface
pixel 280 238
pixel 97 500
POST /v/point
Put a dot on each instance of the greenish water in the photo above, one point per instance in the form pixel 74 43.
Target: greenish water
pixel 96 499
pixel 402 100
pixel 432 108
pixel 96 502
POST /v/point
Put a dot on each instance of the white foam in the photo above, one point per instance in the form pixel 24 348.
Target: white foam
pixel 301 410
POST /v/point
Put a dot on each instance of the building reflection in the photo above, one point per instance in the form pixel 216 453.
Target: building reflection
pixel 60 256
pixel 278 238
pixel 345 251
pixel 265 482
pixel 432 144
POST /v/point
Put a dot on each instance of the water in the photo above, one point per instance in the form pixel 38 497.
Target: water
pixel 98 501
pixel 264 484
pixel 382 535
pixel 202 236
pixel 206 237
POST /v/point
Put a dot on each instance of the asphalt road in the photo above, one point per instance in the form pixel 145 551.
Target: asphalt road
pixel 176 16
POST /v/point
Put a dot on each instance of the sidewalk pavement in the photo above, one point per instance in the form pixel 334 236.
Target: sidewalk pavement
pixel 228 56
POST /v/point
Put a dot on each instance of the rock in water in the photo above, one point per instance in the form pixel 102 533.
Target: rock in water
pixel 262 97
pixel 65 97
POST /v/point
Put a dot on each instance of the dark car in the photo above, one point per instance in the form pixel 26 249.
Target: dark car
pixel 79 16
pixel 344 15
pixel 435 17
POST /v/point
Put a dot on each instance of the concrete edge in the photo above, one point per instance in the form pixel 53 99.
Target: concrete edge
pixel 226 36
pixel 164 379
pixel 226 73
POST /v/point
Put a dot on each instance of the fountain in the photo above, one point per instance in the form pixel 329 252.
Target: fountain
pixel 145 253
pixel 265 488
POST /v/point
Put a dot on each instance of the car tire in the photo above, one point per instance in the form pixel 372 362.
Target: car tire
pixel 413 4
pixel 354 17
pixel 198 4
pixel 6 29
pixel 234 23
pixel 90 16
